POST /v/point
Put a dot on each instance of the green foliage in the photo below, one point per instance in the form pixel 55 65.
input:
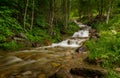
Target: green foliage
pixel 106 49
pixel 100 26
pixel 2 38
pixel 12 15
pixel 41 22
pixel 9 46
pixel 8 25
pixel 72 29
pixel 57 35
pixel 112 74
pixel 37 35
pixel 114 23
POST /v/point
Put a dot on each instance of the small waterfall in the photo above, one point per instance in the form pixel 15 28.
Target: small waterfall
pixel 77 39
pixel 81 34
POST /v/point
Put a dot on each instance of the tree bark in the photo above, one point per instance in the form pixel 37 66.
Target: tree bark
pixel 51 16
pixel 25 14
pixel 66 14
pixel 32 19
pixel 69 11
pixel 108 15
pixel 109 11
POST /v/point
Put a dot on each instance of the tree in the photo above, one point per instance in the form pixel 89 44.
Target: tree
pixel 109 11
pixel 25 14
pixel 66 7
pixel 32 19
pixel 51 16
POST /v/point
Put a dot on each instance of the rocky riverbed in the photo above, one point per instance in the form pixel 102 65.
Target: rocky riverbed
pixel 59 60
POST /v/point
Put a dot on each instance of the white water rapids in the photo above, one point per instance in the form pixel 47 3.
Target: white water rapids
pixel 46 60
pixel 75 41
pixel 77 38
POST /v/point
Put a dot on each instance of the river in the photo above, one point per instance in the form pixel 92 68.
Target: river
pixel 45 62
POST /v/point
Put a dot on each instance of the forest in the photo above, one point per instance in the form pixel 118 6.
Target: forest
pixel 27 24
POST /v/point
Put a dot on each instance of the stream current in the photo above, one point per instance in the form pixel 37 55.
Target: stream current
pixel 42 62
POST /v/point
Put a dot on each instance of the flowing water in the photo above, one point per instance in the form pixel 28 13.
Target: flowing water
pixel 45 62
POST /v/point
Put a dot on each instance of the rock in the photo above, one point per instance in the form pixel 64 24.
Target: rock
pixel 47 42
pixel 69 42
pixel 81 49
pixel 88 72
pixel 97 35
pixel 72 41
pixel 36 44
pixel 27 73
pixel 56 64
pixel 21 39
pixel 117 69
pixel 94 32
pixel 21 35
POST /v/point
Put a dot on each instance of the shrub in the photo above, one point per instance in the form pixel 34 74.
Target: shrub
pixel 112 74
pixel 9 46
pixel 72 29
pixel 8 25
pixel 106 52
pixel 106 49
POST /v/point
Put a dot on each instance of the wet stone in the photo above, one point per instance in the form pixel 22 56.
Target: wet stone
pixel 117 69
pixel 27 73
pixel 56 64
pixel 88 72
pixel 81 49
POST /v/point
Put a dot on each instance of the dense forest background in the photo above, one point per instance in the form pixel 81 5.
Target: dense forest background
pixel 32 23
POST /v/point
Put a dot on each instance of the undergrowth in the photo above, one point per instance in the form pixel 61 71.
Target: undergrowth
pixel 106 50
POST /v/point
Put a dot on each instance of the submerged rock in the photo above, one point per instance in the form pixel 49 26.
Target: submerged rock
pixel 117 69
pixel 88 72
pixel 81 49
pixel 27 73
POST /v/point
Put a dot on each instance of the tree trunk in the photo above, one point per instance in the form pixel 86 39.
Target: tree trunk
pixel 65 9
pixel 109 11
pixel 69 10
pixel 51 16
pixel 25 14
pixel 108 15
pixel 32 19
pixel 101 7
pixel 66 14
